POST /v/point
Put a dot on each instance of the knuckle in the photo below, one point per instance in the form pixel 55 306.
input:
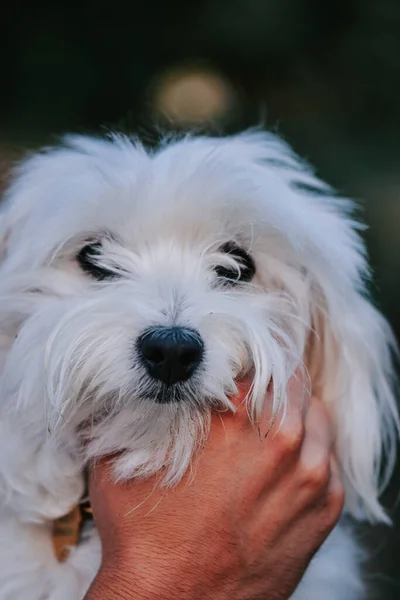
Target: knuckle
pixel 290 437
pixel 336 498
pixel 332 515
pixel 316 476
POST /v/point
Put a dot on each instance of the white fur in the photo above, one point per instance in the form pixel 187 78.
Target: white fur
pixel 71 386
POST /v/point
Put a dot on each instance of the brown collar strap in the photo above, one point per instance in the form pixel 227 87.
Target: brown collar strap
pixel 67 530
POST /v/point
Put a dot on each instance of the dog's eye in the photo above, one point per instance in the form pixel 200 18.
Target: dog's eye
pixel 88 260
pixel 246 267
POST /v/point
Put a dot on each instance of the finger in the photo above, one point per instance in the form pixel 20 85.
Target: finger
pixel 285 437
pixel 330 503
pixel 226 420
pixel 299 390
pixel 314 470
pixel 336 488
pixel 244 386
pixel 297 402
pixel 318 427
pixel 288 425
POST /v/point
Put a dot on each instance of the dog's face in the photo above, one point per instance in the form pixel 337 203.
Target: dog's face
pixel 137 288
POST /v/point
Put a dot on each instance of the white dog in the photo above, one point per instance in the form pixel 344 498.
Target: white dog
pixel 135 287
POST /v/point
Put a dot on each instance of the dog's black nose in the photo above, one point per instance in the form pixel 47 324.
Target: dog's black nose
pixel 170 354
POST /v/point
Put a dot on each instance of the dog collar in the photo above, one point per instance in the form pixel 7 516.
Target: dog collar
pixel 67 530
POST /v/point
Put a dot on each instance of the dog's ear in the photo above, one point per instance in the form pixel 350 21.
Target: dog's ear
pixel 350 350
pixel 350 361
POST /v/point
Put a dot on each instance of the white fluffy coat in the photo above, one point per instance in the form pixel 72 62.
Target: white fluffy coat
pixel 71 387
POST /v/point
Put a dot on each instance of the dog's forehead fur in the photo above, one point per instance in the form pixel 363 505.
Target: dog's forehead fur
pixel 250 187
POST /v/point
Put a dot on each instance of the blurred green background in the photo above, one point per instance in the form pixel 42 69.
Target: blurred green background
pixel 323 73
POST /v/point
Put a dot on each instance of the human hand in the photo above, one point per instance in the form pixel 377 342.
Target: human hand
pixel 245 527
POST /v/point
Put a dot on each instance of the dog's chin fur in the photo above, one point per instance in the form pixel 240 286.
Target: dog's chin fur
pixel 72 386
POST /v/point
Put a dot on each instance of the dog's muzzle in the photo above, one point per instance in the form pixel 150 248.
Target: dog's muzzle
pixel 170 354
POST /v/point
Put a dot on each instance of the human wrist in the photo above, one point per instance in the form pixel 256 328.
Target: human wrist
pixel 112 583
pixel 119 582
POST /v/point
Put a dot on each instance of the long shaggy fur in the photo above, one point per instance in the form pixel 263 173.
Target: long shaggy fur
pixel 71 385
